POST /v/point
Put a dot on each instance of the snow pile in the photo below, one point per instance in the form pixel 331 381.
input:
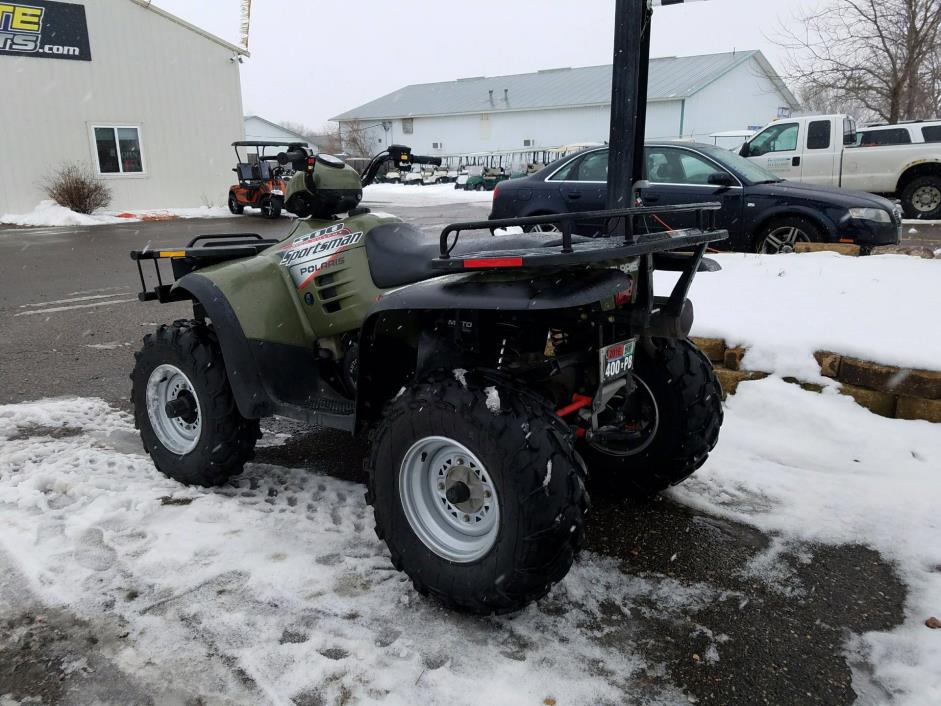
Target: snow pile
pixel 279 581
pixel 431 195
pixel 49 213
pixel 198 212
pixel 818 467
pixel 785 307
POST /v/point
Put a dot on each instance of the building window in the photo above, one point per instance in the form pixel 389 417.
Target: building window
pixel 437 145
pixel 528 143
pixel 118 150
pixel 408 125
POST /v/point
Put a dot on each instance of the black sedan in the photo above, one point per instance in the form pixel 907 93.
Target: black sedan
pixel 762 212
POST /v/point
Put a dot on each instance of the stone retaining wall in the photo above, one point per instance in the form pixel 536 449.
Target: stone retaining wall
pixel 887 390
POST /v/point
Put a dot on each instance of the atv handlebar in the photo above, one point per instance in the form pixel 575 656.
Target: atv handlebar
pixel 417 159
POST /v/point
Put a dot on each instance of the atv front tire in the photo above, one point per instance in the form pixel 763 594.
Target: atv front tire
pixel 184 408
pixel 477 491
pixel 234 206
pixel 689 408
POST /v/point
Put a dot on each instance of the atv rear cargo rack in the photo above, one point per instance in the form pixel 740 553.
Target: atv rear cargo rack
pixel 214 248
pixel 620 239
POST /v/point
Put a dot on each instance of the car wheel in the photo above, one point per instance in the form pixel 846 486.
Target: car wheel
pixel 782 236
pixel 921 198
pixel 543 228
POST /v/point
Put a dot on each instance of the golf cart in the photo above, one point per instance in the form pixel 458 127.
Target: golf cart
pixel 488 179
pixel 485 374
pixel 260 177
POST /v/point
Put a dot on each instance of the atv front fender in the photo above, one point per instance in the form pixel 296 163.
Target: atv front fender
pixel 249 392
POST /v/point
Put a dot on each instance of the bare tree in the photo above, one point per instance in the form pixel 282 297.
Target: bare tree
pixel 879 54
pixel 356 139
pixel 303 130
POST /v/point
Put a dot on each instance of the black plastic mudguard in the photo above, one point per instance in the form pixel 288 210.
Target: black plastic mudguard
pixel 299 395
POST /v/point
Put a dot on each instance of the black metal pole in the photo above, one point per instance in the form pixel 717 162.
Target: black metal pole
pixel 628 100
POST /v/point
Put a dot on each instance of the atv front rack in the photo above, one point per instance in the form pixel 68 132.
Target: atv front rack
pixel 618 238
pixel 201 251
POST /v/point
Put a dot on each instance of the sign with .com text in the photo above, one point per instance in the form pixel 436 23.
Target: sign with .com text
pixel 44 29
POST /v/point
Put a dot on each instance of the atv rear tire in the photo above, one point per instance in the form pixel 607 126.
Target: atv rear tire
pixel 689 404
pixel 234 206
pixel 519 523
pixel 209 441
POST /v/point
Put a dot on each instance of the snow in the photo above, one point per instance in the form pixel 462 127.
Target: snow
pixel 280 575
pixel 280 578
pixel 460 376
pixel 785 307
pixel 493 399
pixel 49 213
pixel 548 478
pixel 431 195
pixel 819 468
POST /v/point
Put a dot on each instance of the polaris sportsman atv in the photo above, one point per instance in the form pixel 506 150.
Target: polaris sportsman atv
pixel 486 372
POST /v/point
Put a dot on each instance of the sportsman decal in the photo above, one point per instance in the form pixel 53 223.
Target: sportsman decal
pixel 312 254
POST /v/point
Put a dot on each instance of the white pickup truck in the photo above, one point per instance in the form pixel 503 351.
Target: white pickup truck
pixel 821 149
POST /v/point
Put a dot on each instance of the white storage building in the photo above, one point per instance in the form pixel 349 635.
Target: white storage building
pixel 147 101
pixel 692 96
pixel 263 130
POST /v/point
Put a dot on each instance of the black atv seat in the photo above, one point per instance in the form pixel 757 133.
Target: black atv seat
pixel 400 253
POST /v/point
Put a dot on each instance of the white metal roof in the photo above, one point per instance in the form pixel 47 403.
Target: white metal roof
pixel 671 78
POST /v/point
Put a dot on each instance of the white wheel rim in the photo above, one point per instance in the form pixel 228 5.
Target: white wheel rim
pixel 546 228
pixel 165 384
pixel 926 199
pixel 460 531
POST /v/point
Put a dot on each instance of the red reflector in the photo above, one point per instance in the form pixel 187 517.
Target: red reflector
pixel 493 262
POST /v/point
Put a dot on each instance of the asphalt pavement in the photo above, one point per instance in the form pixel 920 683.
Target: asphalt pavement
pixel 70 322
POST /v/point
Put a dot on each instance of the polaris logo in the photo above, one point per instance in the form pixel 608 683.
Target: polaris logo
pixel 343 239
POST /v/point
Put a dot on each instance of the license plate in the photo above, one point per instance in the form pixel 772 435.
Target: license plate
pixel 617 360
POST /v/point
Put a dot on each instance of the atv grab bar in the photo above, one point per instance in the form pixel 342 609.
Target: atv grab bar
pixel 219 236
pixel 624 223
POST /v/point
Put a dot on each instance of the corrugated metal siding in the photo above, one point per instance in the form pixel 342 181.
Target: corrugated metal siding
pixel 670 78
pixel 178 86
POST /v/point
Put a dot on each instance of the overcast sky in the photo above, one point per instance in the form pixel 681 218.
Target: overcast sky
pixel 313 59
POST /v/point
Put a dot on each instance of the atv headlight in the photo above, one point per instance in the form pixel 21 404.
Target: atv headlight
pixel 277 192
pixel 871 214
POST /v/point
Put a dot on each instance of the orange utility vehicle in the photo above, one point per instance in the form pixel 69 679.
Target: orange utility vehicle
pixel 261 177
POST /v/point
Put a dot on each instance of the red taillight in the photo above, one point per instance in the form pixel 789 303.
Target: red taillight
pixel 496 190
pixel 623 298
pixel 483 263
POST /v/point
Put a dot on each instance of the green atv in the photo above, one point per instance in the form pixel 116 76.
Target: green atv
pixel 484 371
